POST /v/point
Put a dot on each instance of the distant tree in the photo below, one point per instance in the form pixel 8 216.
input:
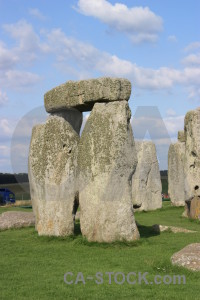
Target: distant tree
pixel 6 178
pixel 164 173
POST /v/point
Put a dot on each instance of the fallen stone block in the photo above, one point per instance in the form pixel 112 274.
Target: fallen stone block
pixel 16 219
pixel 188 257
pixel 161 228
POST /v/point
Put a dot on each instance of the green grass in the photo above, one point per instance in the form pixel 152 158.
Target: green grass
pixel 12 208
pixel 33 267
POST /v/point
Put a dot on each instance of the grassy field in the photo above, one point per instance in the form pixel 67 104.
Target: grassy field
pixel 33 267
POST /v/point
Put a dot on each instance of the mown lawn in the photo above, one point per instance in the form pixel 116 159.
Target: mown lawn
pixel 33 267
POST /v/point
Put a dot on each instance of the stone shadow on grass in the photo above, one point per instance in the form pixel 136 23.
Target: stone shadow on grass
pixel 147 231
pixel 77 228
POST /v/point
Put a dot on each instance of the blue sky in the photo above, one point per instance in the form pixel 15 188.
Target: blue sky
pixel 155 44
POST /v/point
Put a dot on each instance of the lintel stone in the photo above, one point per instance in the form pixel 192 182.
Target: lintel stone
pixel 83 94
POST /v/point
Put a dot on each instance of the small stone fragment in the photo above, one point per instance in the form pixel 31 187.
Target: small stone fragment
pixel 161 228
pixel 181 136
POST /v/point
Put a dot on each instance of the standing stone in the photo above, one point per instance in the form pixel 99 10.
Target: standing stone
pixel 52 174
pixel 194 208
pixel 176 177
pixel 107 160
pixel 192 154
pixel 146 182
pixel 83 94
pixel 184 166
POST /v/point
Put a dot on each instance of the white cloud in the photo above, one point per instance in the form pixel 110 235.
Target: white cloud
pixel 172 38
pixel 194 92
pixel 170 112
pixel 139 23
pixel 28 44
pixel 8 59
pixel 174 124
pixel 19 80
pixel 193 46
pixel 5 165
pixel 83 58
pixel 4 151
pixel 192 60
pixel 35 12
pixel 28 47
pixel 3 98
pixel 6 127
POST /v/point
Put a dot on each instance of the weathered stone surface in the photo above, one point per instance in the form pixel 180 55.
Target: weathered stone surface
pixel 52 176
pixel 161 228
pixel 146 182
pixel 16 219
pixel 188 257
pixel 181 136
pixel 176 177
pixel 184 166
pixel 195 208
pixel 84 94
pixel 73 116
pixel 192 208
pixel 192 154
pixel 107 160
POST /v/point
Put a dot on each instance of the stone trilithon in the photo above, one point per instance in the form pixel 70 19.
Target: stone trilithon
pixel 95 170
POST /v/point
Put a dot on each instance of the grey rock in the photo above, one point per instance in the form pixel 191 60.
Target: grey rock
pixel 192 154
pixel 52 176
pixel 176 177
pixel 184 164
pixel 188 257
pixel 146 182
pixel 181 136
pixel 73 116
pixel 192 208
pixel 16 219
pixel 161 228
pixel 83 94
pixel 107 160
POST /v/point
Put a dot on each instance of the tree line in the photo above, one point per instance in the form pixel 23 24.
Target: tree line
pixel 6 178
